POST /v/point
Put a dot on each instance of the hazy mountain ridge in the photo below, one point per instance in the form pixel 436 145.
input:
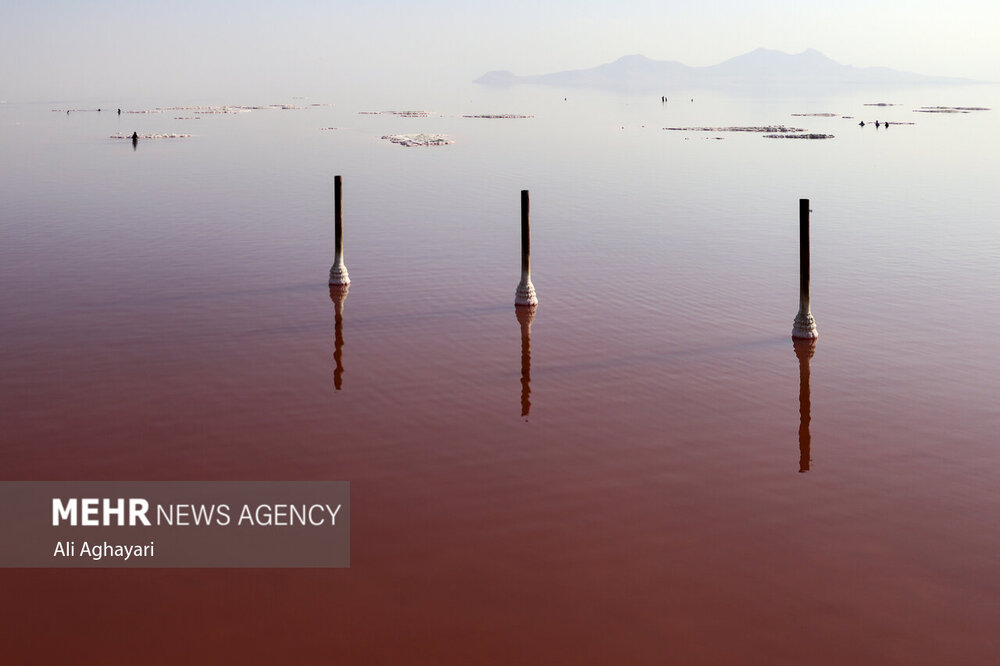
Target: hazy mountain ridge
pixel 761 66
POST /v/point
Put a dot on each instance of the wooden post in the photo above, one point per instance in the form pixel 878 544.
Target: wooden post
pixel 525 294
pixel 338 273
pixel 805 324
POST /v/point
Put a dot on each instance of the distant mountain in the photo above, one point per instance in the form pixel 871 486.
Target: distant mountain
pixel 760 67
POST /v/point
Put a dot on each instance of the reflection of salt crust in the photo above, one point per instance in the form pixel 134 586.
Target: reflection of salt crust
pixel 498 115
pixel 412 140
pixel 152 136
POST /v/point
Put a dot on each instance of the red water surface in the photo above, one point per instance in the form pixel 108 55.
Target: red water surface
pixel 647 508
pixel 646 472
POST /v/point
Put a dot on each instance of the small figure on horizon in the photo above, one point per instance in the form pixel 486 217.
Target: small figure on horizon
pixel 98 110
pixel 876 124
pixel 862 123
pixel 119 112
pixel 886 123
pixel 135 136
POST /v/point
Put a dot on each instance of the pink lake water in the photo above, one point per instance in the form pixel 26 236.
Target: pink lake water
pixel 649 472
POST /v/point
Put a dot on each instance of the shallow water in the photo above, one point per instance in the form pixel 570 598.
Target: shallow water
pixel 626 481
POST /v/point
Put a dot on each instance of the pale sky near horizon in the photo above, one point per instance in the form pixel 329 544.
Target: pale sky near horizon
pixel 93 49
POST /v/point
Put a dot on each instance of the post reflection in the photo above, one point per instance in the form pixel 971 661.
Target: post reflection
pixel 804 350
pixel 338 294
pixel 525 315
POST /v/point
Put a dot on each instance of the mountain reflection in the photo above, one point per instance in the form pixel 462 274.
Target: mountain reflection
pixel 525 315
pixel 338 294
pixel 804 350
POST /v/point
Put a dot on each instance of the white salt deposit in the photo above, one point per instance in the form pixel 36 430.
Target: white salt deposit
pixel 799 136
pixel 200 109
pixel 151 136
pixel 415 140
pixel 949 109
pixel 763 128
pixel 498 115
pixel 404 114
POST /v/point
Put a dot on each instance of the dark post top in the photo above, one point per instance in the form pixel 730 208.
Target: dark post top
pixel 804 246
pixel 338 216
pixel 525 233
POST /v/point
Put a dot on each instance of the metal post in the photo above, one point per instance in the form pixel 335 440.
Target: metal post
pixel 338 273
pixel 525 294
pixel 805 324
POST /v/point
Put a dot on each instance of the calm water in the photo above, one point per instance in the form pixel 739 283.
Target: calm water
pixel 648 472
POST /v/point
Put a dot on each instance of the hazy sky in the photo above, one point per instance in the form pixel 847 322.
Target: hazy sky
pixel 105 49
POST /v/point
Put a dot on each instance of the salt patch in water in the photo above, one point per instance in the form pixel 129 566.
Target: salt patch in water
pixel 949 109
pixel 199 110
pixel 767 128
pixel 798 136
pixel 498 115
pixel 403 114
pixel 415 140
pixel 152 136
